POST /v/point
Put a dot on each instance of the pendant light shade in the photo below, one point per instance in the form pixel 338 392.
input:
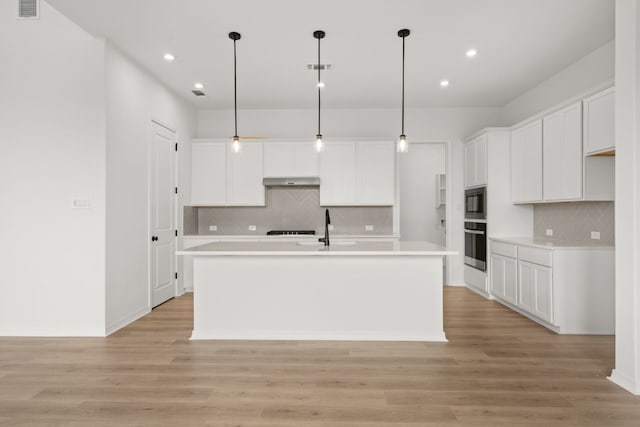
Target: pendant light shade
pixel 319 143
pixel 236 139
pixel 403 145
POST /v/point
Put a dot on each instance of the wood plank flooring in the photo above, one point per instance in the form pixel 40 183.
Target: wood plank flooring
pixel 498 369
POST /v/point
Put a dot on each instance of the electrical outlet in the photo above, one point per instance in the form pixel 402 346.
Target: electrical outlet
pixel 252 228
pixel 368 228
pixel 330 227
pixel 213 228
pixel 595 235
pixel 549 232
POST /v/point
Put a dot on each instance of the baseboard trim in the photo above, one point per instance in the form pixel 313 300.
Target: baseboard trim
pixel 316 336
pixel 478 291
pixel 127 320
pixel 623 381
pixel 456 285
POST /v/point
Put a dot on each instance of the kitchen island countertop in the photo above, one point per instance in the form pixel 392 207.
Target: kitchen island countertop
pixel 311 248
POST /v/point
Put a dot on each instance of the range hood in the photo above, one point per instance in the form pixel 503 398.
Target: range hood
pixel 291 181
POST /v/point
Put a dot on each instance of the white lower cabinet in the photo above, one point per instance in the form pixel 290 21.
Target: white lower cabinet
pixel 504 277
pixel 535 290
pixel 570 290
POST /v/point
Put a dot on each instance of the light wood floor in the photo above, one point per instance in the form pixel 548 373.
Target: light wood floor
pixel 498 368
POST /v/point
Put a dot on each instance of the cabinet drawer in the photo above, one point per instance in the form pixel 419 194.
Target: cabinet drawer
pixel 535 255
pixel 504 249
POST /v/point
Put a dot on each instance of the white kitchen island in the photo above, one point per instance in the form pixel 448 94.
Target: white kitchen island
pixel 390 291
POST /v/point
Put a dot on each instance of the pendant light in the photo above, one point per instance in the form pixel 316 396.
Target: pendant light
pixel 319 144
pixel 236 139
pixel 403 145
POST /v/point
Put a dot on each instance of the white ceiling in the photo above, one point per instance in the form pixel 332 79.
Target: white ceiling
pixel 520 43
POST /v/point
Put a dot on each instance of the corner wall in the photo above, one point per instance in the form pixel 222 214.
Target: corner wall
pixel 134 99
pixel 52 119
pixel 627 370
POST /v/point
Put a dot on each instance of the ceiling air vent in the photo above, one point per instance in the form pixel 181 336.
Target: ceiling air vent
pixel 198 93
pixel 28 9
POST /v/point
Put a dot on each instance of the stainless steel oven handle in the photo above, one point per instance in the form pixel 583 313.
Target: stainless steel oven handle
pixel 473 231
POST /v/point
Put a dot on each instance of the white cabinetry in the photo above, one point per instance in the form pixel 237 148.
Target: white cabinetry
pixel 244 176
pixel 221 177
pixel 208 173
pixel 534 290
pixel 562 154
pixel 357 173
pixel 569 290
pixel 475 162
pixel 290 159
pixel 526 163
pixel 599 135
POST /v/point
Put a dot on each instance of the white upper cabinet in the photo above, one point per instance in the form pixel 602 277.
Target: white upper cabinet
pixel 562 154
pixel 475 162
pixel 599 115
pixel 338 173
pixel 526 163
pixel 290 159
pixel 208 173
pixel 357 173
pixel 221 177
pixel 376 173
pixel 244 176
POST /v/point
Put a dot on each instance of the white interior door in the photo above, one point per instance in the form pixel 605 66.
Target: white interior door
pixel 162 221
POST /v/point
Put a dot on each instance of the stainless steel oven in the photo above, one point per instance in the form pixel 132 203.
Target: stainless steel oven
pixel 475 203
pixel 475 244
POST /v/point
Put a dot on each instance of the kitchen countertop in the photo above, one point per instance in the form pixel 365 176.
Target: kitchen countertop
pixel 288 237
pixel 347 248
pixel 545 243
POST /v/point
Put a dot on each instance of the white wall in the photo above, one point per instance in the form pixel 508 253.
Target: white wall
pixel 627 370
pixel 134 99
pixel 590 71
pixel 434 124
pixel 419 215
pixel 52 120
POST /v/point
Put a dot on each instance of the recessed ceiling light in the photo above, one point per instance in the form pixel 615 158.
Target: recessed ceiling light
pixel 444 83
pixel 198 86
pixel 320 84
pixel 471 53
pixel 169 57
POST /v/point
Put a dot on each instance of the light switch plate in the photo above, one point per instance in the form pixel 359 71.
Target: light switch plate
pixel 252 228
pixel 213 228
pixel 595 235
pixel 81 203
pixel 368 228
pixel 549 232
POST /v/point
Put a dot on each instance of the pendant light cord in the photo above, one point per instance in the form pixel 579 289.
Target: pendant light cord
pixel 235 91
pixel 319 86
pixel 403 38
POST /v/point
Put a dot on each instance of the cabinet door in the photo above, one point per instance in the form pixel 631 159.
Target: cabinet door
pixel 338 174
pixel 510 280
pixel 305 159
pixel 278 159
pixel 375 173
pixel 469 164
pixel 535 290
pixel 497 275
pixel 562 154
pixel 244 176
pixel 599 134
pixel 526 163
pixel 481 160
pixel 208 173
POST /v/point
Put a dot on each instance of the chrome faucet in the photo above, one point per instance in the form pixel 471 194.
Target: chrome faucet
pixel 327 221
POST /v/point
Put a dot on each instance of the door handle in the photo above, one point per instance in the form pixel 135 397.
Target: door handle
pixel 154 238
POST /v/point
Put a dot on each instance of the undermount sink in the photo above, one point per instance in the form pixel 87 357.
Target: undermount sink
pixel 336 243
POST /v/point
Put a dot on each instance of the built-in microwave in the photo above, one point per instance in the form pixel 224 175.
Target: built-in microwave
pixel 475 203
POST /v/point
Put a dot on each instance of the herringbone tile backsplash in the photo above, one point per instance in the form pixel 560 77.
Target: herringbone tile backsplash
pixel 575 221
pixel 289 209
